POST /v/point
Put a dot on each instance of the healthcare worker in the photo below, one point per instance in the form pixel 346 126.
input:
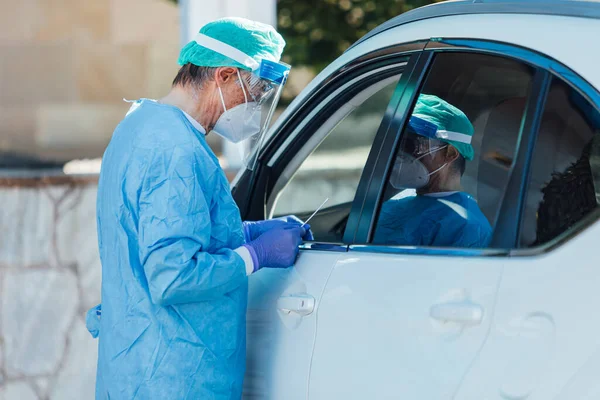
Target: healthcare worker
pixel 431 209
pixel 175 254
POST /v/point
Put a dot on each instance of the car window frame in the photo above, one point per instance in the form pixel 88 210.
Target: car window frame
pixel 505 241
pixel 254 188
pixel 363 82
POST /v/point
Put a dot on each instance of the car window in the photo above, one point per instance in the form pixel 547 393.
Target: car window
pixel 564 184
pixel 332 167
pixel 455 154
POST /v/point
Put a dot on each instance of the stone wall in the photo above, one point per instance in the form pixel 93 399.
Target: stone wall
pixel 49 276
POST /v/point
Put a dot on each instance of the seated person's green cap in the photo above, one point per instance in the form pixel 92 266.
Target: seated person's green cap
pixel 447 118
pixel 241 36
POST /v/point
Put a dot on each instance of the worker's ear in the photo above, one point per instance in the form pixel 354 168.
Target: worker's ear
pixel 451 154
pixel 224 75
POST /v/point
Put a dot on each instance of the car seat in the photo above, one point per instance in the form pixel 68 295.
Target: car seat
pixel 563 133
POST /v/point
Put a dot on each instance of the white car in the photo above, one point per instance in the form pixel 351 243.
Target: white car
pixel 519 319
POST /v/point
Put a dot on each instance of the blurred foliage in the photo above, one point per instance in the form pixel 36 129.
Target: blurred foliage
pixel 318 31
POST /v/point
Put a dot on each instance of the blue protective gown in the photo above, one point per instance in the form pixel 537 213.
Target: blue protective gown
pixel 174 292
pixel 438 220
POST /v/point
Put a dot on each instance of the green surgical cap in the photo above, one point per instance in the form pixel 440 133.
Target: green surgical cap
pixel 446 117
pixel 257 40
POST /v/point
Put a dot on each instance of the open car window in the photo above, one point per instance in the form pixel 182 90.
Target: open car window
pixel 331 163
pixel 453 163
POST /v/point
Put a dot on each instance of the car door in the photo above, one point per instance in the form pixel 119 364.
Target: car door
pixel 322 153
pixel 404 320
pixel 544 339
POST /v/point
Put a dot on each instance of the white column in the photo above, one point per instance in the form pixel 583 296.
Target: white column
pixel 196 13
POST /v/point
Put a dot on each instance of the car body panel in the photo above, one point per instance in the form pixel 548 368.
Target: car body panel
pixel 280 344
pixel 376 338
pixel 544 339
pixel 375 330
pixel 565 8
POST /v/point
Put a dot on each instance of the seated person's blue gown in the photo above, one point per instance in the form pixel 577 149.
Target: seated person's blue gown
pixel 451 219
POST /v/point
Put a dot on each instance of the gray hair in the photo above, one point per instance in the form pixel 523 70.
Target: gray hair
pixel 193 75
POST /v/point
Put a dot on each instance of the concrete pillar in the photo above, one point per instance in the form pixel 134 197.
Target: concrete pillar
pixel 196 13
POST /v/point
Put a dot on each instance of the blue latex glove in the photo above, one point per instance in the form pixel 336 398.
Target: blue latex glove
pixel 253 229
pixel 277 248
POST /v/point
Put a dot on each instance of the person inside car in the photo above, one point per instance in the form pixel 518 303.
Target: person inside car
pixel 432 209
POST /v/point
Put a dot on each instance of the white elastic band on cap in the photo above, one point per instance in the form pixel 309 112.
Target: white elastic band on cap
pixel 226 50
pixel 454 136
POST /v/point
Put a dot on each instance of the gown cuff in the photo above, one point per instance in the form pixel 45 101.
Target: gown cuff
pixel 248 261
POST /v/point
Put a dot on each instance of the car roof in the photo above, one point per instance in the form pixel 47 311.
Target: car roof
pixel 570 8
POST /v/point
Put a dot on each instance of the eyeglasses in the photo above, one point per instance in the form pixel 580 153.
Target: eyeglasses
pixel 260 90
pixel 418 145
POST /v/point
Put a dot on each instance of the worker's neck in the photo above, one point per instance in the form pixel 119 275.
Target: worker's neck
pixel 196 103
pixel 453 184
pixel 448 184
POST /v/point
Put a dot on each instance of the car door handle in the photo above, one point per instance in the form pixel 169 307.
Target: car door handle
pixel 302 304
pixel 463 312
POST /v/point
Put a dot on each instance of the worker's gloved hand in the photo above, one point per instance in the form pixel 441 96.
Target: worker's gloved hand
pixel 277 248
pixel 253 229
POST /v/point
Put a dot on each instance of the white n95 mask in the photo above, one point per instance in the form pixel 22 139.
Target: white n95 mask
pixel 264 80
pixel 410 173
pixel 239 123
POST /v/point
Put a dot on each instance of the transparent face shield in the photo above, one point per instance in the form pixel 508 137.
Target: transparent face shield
pixel 421 147
pixel 414 162
pixel 262 83
pixel 264 89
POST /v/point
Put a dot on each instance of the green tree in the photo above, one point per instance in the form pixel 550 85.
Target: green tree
pixel 318 31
